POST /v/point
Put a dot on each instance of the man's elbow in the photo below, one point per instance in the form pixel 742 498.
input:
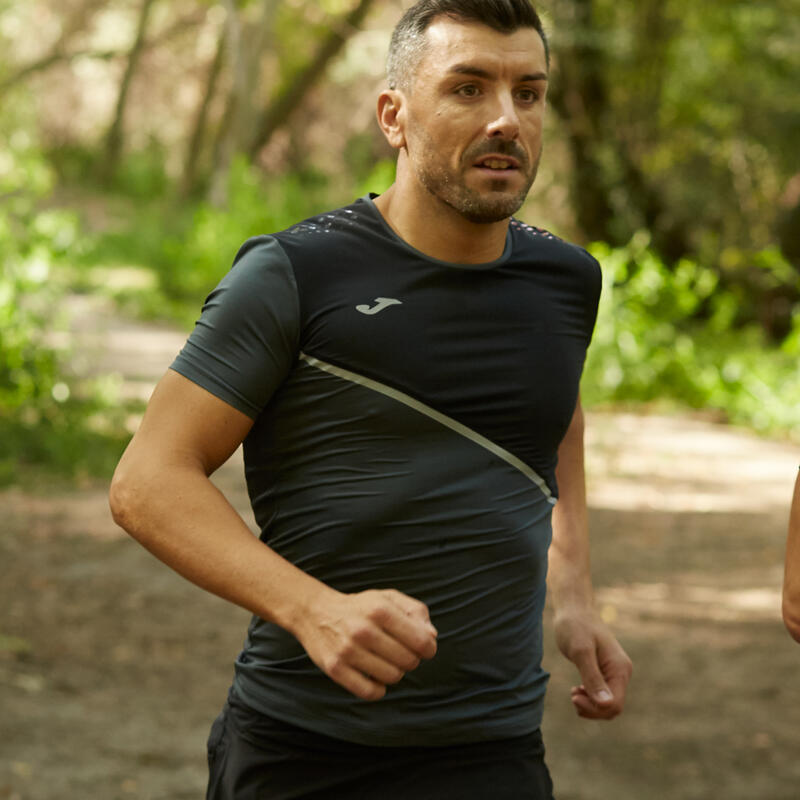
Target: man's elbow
pixel 791 616
pixel 123 499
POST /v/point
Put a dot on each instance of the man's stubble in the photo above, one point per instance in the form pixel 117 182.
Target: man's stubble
pixel 482 207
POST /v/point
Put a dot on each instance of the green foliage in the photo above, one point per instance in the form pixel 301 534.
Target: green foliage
pixel 134 234
pixel 193 259
pixel 379 179
pixel 28 370
pixel 142 175
pixel 664 138
pixel 188 247
pixel 667 335
pixel 46 417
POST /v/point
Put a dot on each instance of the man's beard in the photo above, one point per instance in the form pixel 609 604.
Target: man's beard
pixel 493 204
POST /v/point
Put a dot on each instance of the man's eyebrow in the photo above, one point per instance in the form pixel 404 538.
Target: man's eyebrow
pixel 479 72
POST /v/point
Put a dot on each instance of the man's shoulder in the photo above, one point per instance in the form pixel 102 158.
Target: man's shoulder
pixel 317 230
pixel 529 239
pixel 310 239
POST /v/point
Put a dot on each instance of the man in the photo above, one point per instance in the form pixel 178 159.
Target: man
pixel 791 579
pixel 404 375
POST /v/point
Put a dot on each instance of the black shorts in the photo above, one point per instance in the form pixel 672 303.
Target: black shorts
pixel 252 757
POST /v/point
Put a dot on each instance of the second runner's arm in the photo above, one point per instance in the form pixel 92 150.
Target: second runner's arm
pixel 791 575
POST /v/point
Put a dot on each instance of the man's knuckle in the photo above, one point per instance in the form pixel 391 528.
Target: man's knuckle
pixel 347 651
pixel 396 676
pixel 374 692
pixel 378 614
pixel 359 635
pixel 409 663
pixel 333 666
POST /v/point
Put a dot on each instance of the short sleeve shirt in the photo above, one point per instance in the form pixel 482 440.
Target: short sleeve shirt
pixel 407 416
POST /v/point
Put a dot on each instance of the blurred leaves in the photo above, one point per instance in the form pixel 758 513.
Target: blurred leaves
pixel 674 142
pixel 47 416
pixel 680 120
pixel 667 335
pixel 194 258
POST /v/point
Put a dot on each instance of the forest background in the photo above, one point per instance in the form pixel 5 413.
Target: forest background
pixel 141 141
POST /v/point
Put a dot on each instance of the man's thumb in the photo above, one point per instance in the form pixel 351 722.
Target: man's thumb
pixel 602 696
pixel 594 685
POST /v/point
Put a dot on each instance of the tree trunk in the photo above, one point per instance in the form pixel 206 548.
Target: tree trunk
pixel 581 100
pixel 245 47
pixel 291 95
pixel 190 169
pixel 114 137
pixel 612 195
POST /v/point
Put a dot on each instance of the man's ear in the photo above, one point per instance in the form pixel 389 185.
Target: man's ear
pixel 391 117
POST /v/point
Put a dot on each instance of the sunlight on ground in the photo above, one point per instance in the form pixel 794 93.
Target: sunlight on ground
pixel 678 464
pixel 670 601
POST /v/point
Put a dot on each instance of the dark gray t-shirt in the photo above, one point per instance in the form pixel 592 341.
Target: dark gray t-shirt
pixel 407 417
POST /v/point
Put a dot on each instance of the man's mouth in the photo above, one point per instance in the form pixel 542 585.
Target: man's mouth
pixel 497 163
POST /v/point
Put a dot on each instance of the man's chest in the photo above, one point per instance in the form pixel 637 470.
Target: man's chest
pixel 498 350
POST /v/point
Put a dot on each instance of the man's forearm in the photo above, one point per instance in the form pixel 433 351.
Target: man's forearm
pixel 185 521
pixel 569 572
pixel 581 635
pixel 363 641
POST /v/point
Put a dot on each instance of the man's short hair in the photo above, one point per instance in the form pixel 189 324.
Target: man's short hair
pixel 408 40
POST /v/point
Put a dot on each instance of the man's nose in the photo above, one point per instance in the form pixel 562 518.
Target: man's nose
pixel 505 121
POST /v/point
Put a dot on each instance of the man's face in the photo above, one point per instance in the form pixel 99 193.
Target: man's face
pixel 474 114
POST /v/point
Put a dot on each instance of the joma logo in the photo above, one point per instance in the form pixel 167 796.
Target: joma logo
pixel 380 304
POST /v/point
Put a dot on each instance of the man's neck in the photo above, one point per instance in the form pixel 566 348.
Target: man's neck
pixel 439 231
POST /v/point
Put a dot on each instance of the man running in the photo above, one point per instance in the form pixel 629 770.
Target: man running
pixel 404 374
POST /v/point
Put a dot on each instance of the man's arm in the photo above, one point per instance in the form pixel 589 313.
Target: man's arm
pixel 162 496
pixel 791 575
pixel 581 635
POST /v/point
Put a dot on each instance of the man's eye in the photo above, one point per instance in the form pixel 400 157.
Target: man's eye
pixel 467 91
pixel 527 95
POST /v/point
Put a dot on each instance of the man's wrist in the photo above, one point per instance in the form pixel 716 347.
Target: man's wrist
pixel 571 590
pixel 573 608
pixel 302 607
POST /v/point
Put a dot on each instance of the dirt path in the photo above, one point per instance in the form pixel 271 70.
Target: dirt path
pixel 112 668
